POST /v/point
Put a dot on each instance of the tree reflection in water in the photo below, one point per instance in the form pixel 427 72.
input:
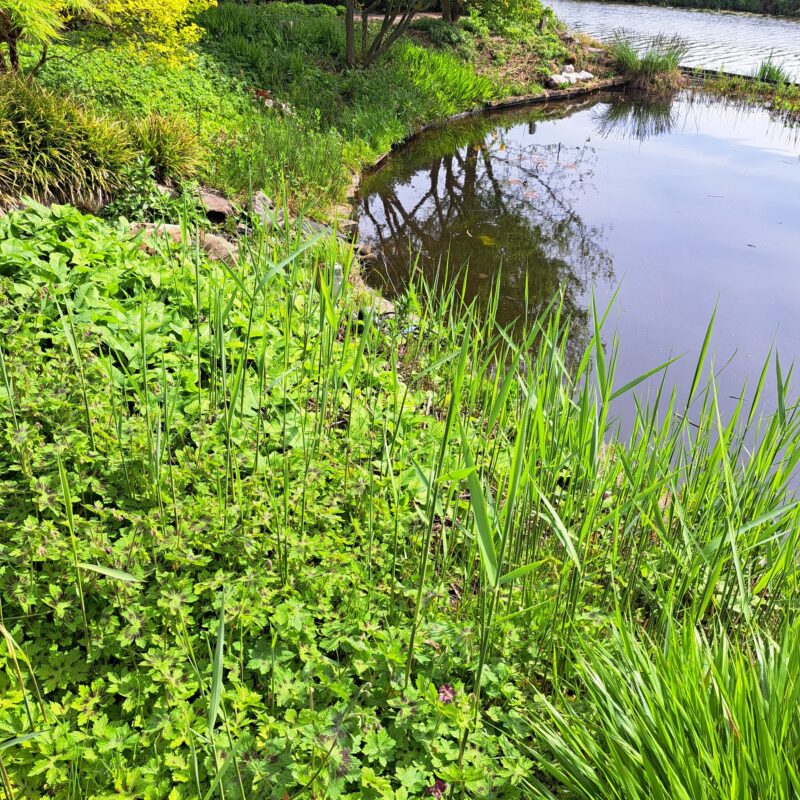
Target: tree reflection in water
pixel 485 197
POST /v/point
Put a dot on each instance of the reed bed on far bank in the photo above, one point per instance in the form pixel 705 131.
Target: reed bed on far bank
pixel 261 541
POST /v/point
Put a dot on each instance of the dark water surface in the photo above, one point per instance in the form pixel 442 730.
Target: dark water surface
pixel 724 40
pixel 677 207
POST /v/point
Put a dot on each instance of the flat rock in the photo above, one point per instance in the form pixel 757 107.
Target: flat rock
pixel 217 208
pixel 558 81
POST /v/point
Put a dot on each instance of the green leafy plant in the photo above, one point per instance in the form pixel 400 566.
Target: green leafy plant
pixel 141 198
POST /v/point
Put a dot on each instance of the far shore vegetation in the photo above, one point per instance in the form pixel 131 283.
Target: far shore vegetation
pixel 781 8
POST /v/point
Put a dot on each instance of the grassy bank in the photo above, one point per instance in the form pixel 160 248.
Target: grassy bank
pixel 782 99
pixel 274 107
pixel 259 542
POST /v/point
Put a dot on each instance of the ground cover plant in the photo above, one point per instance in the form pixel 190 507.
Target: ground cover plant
pixel 260 541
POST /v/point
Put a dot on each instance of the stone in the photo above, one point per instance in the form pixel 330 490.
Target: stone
pixel 569 68
pixel 215 247
pixel 363 250
pixel 261 204
pixel 217 208
pixel 583 75
pixel 219 249
pixel 558 81
pixel 166 191
pixel 264 210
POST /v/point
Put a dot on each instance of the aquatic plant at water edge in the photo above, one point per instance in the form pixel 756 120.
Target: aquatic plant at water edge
pixel 770 72
pixel 657 64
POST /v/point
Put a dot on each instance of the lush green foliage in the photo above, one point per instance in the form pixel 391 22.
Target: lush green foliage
pixel 270 103
pixel 259 542
pixel 53 149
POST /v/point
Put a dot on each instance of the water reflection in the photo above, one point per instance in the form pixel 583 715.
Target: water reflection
pixel 673 207
pixel 480 197
pixel 637 119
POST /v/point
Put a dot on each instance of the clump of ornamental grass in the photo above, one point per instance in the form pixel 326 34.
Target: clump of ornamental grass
pixel 656 67
pixel 56 150
pixel 169 145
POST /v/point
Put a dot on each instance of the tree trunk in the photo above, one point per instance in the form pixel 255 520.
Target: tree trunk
pixel 350 33
pixel 13 52
pixel 447 10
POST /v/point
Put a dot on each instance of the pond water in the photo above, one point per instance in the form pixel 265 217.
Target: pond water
pixel 674 208
pixel 729 41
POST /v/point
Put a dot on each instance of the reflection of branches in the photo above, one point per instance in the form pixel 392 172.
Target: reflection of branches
pixel 497 202
pixel 638 120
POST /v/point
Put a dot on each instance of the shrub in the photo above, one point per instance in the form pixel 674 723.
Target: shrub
pixel 55 150
pixel 168 145
pixel 446 35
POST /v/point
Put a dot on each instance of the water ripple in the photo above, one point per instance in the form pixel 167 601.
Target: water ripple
pixel 716 39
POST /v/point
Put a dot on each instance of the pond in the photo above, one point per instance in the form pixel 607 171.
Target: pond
pixel 669 208
pixel 724 40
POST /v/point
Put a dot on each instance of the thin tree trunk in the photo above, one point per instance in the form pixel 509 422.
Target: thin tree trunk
pixel 13 52
pixel 40 63
pixel 350 33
